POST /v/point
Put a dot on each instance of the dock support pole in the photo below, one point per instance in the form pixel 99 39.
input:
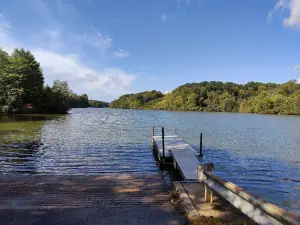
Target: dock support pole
pixel 153 131
pixel 208 195
pixel 163 143
pixel 201 149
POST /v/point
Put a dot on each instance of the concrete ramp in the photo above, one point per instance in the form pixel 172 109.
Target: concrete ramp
pixel 87 200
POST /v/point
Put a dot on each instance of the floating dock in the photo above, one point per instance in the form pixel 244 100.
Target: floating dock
pixel 183 156
pixel 174 150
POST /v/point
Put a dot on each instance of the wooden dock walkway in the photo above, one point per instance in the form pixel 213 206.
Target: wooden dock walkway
pixel 88 200
pixel 183 155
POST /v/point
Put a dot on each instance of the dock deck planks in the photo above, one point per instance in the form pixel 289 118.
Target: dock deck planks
pixel 184 155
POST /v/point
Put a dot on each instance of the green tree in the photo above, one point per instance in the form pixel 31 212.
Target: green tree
pixel 11 91
pixel 253 97
pixel 23 64
pixel 193 100
pixel 55 99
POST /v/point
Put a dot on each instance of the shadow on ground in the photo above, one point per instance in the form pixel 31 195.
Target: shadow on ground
pixel 123 199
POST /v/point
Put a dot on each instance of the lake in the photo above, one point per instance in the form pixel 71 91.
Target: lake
pixel 260 153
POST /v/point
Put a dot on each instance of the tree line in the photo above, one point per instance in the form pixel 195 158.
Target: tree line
pixel 22 88
pixel 253 97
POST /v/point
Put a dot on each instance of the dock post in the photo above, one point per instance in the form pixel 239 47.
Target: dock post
pixel 208 193
pixel 201 150
pixel 153 131
pixel 163 143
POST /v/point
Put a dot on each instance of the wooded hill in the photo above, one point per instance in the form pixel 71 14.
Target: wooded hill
pixel 253 97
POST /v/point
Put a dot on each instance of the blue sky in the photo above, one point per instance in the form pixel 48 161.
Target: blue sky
pixel 107 48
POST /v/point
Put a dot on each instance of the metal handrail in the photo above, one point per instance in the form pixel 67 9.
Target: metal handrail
pixel 259 210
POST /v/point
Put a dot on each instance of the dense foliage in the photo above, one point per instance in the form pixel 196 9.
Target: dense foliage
pixel 22 88
pixel 253 97
pixel 136 101
pixel 98 104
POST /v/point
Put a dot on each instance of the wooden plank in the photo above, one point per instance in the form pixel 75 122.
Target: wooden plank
pixel 182 153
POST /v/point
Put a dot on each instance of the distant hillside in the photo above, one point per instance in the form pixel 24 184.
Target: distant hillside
pixel 253 97
pixel 83 101
pixel 136 101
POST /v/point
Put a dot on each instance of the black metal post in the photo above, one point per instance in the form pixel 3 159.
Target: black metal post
pixel 153 131
pixel 201 150
pixel 163 142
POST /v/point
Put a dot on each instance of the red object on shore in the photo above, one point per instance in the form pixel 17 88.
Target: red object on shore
pixel 28 106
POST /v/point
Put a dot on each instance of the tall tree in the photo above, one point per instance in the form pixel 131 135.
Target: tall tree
pixel 24 64
pixel 11 90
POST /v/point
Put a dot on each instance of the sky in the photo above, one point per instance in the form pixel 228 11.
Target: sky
pixel 107 48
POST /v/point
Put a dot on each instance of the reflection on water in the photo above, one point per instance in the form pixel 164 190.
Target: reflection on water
pixel 20 129
pixel 260 153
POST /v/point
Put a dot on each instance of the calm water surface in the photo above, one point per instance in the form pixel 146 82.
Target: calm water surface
pixel 258 152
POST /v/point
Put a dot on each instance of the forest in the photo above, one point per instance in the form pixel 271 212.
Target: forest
pixel 22 88
pixel 253 97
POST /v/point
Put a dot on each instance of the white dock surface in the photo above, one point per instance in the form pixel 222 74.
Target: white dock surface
pixel 182 153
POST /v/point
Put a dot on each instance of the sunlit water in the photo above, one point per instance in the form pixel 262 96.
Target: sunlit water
pixel 258 152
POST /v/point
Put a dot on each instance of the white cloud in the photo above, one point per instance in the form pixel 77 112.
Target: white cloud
pixel 121 53
pixel 66 64
pixel 96 40
pixel 6 40
pixel 296 68
pixel 167 92
pixel 293 20
pixel 111 81
pixel 163 17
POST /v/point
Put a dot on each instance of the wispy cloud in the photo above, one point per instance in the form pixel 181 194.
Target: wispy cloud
pixel 101 42
pixel 60 50
pixel 296 68
pixel 179 2
pixel 112 81
pixel 52 33
pixel 6 40
pixel 293 20
pixel 121 53
pixel 163 17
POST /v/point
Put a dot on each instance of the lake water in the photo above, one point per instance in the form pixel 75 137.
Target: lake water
pixel 260 153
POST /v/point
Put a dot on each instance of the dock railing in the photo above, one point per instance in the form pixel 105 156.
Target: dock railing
pixel 176 133
pixel 260 211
